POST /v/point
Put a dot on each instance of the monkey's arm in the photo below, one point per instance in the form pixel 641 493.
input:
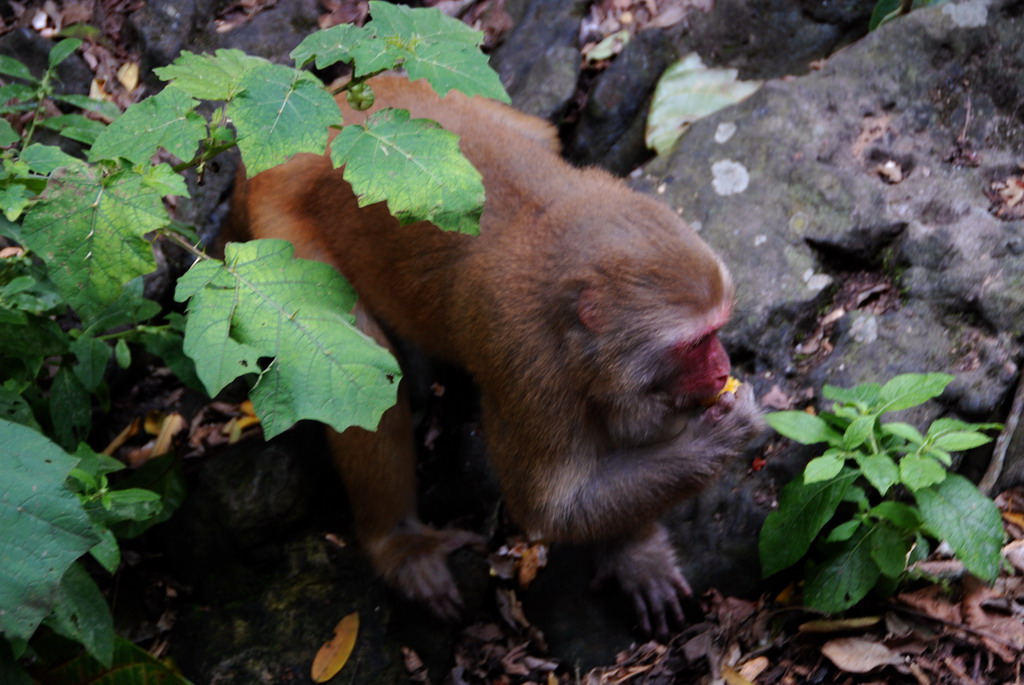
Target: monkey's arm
pixel 626 489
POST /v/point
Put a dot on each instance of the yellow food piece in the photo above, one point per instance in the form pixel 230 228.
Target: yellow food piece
pixel 731 385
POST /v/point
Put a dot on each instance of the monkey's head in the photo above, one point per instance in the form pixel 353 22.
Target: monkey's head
pixel 651 302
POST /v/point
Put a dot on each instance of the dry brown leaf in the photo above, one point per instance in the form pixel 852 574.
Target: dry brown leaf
pixel 128 75
pixel 1007 628
pixel 1014 553
pixel 753 668
pixel 129 431
pixel 171 426
pixel 859 655
pixel 534 558
pixel 732 677
pixel 333 654
pixel 931 601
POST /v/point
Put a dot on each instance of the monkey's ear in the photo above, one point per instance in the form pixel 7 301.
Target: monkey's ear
pixel 588 309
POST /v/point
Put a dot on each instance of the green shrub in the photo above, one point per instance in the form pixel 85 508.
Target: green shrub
pixel 867 466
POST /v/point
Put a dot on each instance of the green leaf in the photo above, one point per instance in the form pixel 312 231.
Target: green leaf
pixel 865 393
pixel 416 166
pixel 108 110
pixel 13 407
pixel 70 408
pixel 911 389
pixel 162 476
pixel 81 614
pixel 12 67
pixel 901 514
pixel 14 199
pixel 880 470
pixel 884 12
pixel 844 531
pixel 430 45
pixel 956 512
pixel 903 430
pixel 89 231
pixel 166 120
pixel 92 356
pixel 843 579
pixel 164 180
pixel 329 46
pixel 825 467
pixel 918 471
pixel 210 77
pixel 689 91
pixel 129 504
pixel 106 551
pixel 263 304
pixel 279 113
pixel 75 126
pixel 96 463
pixel 44 527
pixel 858 431
pixel 8 136
pixel 122 354
pixel 45 159
pixel 130 666
pixel 803 511
pixel 62 50
pixel 889 549
pixel 962 440
pixel 802 427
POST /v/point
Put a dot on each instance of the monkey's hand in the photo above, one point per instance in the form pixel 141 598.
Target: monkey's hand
pixel 725 428
pixel 648 572
pixel 414 560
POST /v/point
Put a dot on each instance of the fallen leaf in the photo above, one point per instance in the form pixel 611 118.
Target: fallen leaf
pixel 534 558
pixel 129 431
pixel 1014 553
pixel 753 668
pixel 931 601
pixel 128 75
pixel 333 654
pixel 733 677
pixel 1008 628
pixel 171 426
pixel 859 655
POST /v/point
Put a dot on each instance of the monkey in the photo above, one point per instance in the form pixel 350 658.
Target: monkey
pixel 586 312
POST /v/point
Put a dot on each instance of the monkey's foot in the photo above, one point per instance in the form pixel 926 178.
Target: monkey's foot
pixel 414 560
pixel 648 572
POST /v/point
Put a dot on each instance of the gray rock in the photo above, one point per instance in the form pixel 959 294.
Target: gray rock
pixel 814 207
pixel 546 34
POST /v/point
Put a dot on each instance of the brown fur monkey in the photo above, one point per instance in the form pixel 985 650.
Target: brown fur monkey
pixel 586 312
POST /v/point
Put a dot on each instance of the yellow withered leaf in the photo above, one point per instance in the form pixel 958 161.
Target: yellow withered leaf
pixel 334 653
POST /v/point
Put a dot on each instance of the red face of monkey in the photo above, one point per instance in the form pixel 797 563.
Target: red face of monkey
pixel 704 367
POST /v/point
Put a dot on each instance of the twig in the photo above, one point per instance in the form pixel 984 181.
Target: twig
pixel 956 626
pixel 995 467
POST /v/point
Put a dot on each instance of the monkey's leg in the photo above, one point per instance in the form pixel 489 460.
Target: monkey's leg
pixel 648 572
pixel 379 470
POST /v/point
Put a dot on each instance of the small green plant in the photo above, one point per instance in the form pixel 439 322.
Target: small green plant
pixel 850 499
pixel 888 10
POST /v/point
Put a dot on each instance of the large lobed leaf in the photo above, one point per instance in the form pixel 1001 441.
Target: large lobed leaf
pixel 89 230
pixel 261 304
pixel 210 77
pixel 167 120
pixel 425 42
pixel 44 527
pixel 413 164
pixel 279 113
